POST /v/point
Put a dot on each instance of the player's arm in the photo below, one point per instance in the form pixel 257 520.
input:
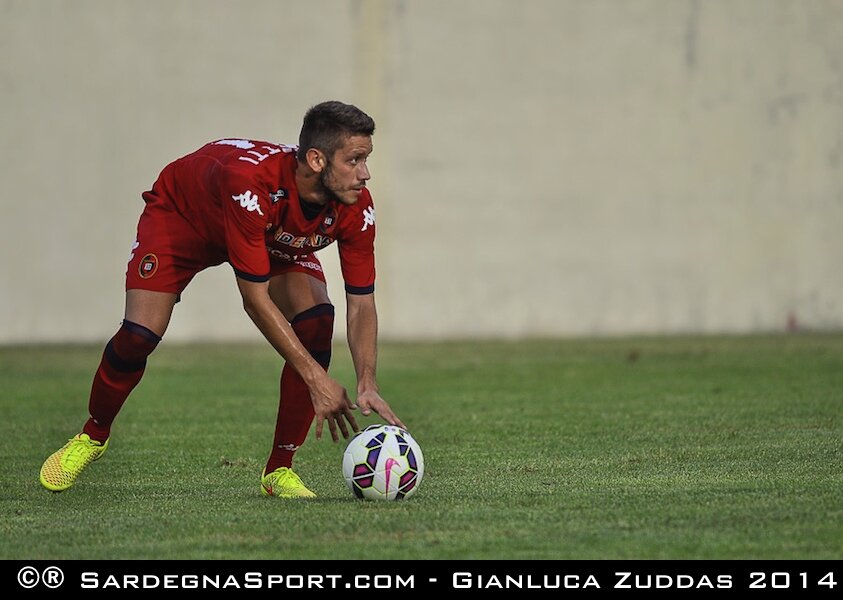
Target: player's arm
pixel 246 206
pixel 330 400
pixel 362 332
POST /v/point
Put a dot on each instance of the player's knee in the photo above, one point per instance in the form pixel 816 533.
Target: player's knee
pixel 128 350
pixel 315 329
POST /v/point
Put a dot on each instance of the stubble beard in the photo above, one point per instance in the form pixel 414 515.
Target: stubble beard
pixel 325 189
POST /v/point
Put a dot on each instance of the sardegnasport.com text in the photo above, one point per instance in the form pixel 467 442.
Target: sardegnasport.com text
pixel 504 579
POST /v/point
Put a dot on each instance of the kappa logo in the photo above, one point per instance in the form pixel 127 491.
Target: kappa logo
pixel 368 218
pixel 249 201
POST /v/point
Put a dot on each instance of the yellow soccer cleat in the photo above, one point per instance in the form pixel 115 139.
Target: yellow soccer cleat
pixel 63 467
pixel 284 483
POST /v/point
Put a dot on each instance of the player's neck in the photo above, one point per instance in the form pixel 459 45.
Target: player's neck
pixel 307 184
pixel 310 210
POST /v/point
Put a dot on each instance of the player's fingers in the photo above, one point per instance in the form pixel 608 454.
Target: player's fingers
pixel 318 427
pixel 333 427
pixel 391 418
pixel 341 423
pixel 350 418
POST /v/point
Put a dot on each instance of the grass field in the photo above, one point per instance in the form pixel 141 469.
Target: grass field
pixel 687 448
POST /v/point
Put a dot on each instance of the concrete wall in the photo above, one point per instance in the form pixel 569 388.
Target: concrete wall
pixel 542 167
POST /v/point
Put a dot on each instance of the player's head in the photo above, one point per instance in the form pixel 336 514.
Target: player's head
pixel 335 142
pixel 327 125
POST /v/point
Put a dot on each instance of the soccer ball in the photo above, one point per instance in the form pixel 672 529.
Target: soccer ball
pixel 383 462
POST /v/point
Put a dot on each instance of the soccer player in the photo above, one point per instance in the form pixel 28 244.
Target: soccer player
pixel 264 208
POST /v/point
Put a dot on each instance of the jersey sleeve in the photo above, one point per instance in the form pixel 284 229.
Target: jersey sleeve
pixel 357 249
pixel 245 206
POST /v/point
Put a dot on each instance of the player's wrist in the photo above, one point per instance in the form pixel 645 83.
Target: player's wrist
pixel 311 372
pixel 364 387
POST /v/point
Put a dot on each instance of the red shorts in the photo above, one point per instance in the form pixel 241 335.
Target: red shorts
pixel 168 252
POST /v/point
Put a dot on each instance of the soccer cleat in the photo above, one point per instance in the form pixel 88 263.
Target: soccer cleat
pixel 63 467
pixel 284 483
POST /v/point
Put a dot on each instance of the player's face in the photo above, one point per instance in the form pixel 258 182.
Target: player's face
pixel 346 174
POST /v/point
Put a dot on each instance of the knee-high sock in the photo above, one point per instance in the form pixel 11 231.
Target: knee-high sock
pixel 314 328
pixel 120 370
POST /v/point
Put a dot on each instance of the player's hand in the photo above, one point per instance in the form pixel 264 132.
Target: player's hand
pixel 371 401
pixel 331 403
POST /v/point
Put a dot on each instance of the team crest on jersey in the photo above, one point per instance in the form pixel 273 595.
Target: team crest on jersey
pixel 281 194
pixel 148 266
pixel 328 222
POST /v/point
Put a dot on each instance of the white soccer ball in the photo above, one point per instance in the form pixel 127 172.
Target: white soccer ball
pixel 383 462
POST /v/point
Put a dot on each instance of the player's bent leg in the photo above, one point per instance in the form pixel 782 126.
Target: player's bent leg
pixel 124 359
pixel 314 326
pixel 120 370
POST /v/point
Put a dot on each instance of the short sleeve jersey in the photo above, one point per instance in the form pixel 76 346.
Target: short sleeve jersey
pixel 240 195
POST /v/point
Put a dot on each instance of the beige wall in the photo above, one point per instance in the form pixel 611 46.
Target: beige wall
pixel 541 168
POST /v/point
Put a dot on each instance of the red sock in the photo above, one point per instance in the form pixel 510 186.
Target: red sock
pixel 314 328
pixel 120 370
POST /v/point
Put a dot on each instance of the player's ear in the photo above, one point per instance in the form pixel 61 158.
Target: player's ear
pixel 316 160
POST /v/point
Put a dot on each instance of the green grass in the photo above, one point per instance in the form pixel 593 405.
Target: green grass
pixel 687 448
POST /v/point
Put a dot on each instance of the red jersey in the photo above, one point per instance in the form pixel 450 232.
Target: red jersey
pixel 241 196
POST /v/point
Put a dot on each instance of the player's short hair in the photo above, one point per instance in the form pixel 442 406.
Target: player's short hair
pixel 327 125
